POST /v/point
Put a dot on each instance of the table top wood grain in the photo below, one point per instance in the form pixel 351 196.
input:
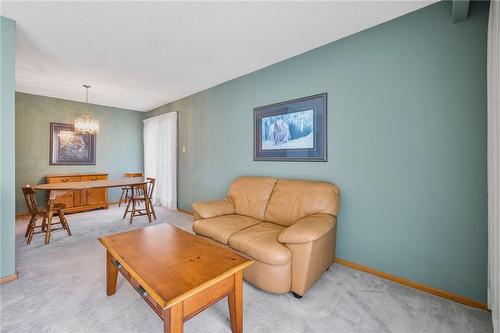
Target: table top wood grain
pixel 91 184
pixel 172 264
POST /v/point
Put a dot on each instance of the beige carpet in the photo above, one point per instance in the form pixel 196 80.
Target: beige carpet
pixel 61 288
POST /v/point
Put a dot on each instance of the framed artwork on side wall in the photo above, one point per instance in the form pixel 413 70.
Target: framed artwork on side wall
pixel 291 131
pixel 68 147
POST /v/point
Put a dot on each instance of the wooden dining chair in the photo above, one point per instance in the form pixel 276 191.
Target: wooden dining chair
pixel 47 221
pixel 127 189
pixel 139 198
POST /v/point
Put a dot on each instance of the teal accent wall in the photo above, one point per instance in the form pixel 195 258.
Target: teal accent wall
pixel 406 142
pixel 7 137
pixel 119 141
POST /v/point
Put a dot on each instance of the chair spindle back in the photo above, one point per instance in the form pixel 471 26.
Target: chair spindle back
pixel 30 199
pixel 151 186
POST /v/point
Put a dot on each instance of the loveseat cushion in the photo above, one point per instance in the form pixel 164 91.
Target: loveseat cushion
pixel 293 199
pixel 260 242
pixel 220 228
pixel 251 194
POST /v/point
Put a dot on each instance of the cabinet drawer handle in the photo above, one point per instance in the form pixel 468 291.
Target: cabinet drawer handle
pixel 64 180
pixel 94 178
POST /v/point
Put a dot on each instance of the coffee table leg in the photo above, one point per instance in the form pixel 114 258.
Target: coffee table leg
pixel 111 275
pixel 173 319
pixel 235 301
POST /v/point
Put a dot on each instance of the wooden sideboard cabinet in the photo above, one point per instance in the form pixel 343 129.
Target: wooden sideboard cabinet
pixel 81 200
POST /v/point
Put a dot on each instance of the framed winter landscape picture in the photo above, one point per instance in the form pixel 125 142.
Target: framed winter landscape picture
pixel 291 131
pixel 68 147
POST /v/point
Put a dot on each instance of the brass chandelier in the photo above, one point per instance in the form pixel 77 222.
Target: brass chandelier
pixel 86 124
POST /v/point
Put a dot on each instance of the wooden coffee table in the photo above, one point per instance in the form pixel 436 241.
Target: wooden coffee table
pixel 178 274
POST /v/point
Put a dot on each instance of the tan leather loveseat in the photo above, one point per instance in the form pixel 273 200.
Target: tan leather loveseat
pixel 287 226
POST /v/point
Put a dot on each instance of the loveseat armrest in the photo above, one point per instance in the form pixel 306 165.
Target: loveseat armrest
pixel 307 229
pixel 206 209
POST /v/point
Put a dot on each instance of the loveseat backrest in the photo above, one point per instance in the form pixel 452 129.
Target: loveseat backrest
pixel 293 199
pixel 250 195
pixel 283 201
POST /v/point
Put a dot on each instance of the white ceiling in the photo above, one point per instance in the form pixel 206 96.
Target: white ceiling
pixel 140 55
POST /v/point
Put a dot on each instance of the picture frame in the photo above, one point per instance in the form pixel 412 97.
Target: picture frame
pixel 294 130
pixel 68 147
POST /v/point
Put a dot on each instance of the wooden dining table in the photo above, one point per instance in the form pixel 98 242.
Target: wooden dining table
pixel 57 189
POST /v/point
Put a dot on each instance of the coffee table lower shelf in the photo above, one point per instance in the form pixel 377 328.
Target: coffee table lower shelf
pixel 174 315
